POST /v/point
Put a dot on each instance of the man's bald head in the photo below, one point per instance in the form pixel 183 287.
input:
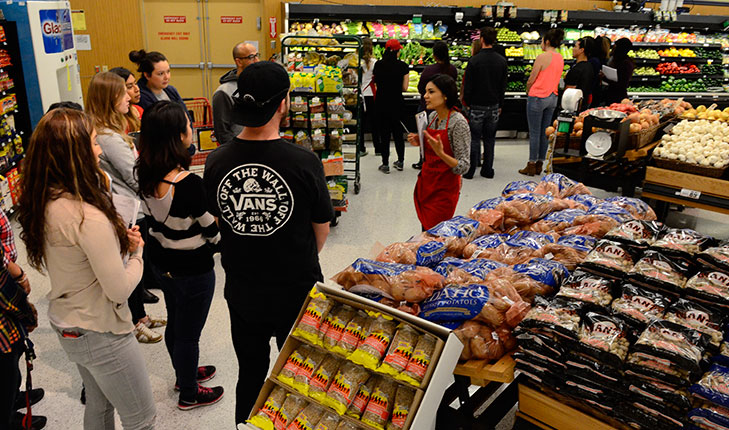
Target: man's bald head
pixel 244 54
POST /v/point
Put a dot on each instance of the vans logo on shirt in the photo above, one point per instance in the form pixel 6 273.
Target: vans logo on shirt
pixel 254 200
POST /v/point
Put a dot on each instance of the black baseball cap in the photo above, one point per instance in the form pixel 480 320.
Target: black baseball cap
pixel 261 87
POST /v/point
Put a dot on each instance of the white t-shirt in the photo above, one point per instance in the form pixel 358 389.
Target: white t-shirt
pixel 367 76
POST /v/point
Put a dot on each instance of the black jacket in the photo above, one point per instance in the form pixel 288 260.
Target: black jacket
pixel 484 83
pixel 147 97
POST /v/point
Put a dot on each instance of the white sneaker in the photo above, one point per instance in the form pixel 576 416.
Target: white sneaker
pixel 146 335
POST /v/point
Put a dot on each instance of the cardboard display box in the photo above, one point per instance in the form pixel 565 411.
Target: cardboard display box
pixel 438 377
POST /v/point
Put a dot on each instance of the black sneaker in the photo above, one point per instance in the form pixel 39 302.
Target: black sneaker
pixel 397 165
pixel 36 394
pixel 204 374
pixel 363 153
pixel 205 396
pixel 17 422
pixel 418 165
pixel 384 169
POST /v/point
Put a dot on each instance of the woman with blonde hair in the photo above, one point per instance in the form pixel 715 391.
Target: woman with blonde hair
pixel 107 103
pixel 72 230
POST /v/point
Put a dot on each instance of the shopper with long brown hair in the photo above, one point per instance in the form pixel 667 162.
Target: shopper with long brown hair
pixel 134 115
pixel 72 230
pixel 107 103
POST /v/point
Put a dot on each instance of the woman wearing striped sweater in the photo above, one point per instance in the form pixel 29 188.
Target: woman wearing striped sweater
pixel 182 238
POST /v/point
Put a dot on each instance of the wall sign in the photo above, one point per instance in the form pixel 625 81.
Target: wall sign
pixel 173 19
pixel 272 27
pixel 231 19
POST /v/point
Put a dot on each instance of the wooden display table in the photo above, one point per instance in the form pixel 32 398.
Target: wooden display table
pixel 669 186
pixel 482 372
pixel 548 410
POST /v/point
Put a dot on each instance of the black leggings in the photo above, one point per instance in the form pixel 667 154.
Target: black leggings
pixel 136 299
pixel 389 124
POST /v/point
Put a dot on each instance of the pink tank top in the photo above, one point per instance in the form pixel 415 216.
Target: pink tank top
pixel 548 79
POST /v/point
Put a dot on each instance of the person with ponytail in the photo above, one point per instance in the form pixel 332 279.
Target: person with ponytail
pixel 154 85
pixel 72 230
pixel 446 153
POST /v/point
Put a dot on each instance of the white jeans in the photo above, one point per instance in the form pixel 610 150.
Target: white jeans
pixel 115 376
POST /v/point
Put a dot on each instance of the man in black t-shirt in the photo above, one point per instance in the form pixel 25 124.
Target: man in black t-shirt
pixel 580 75
pixel 273 208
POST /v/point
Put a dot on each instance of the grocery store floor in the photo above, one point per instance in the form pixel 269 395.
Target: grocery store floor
pixel 382 213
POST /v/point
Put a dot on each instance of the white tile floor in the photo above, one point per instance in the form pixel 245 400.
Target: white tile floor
pixel 382 213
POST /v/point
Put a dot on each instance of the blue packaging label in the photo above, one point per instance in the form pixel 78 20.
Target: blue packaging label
pixel 459 226
pixel 547 272
pixel 371 267
pixel 56 30
pixel 713 386
pixel 638 204
pixel 490 241
pixel 566 215
pixel 430 253
pixel 581 243
pixel 520 186
pixel 608 209
pixel 455 303
pixel 585 199
pixel 562 181
pixel 488 204
pixel 479 267
pixel 530 197
pixel 529 239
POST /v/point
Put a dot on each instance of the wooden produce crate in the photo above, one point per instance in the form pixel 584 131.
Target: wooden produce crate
pixel 482 372
pixel 680 166
pixel 549 410
pixel 680 181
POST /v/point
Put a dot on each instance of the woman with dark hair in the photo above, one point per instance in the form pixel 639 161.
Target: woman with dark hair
pixel 367 62
pixel 446 155
pixel 596 57
pixel 154 85
pixel 542 87
pixel 134 115
pixel 182 237
pixel 442 66
pixel 620 61
pixel 391 78
pixel 72 230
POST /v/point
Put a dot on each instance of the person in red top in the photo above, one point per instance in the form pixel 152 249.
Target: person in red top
pixel 542 88
pixel 134 115
pixel 446 155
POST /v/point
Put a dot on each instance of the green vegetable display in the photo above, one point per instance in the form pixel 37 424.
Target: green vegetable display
pixel 413 53
pixel 713 54
pixel 460 51
pixel 711 69
pixel 646 71
pixel 682 85
pixel 506 35
pixel 515 86
pixel 649 54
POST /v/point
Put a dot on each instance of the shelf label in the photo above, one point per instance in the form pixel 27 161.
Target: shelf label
pixel 689 194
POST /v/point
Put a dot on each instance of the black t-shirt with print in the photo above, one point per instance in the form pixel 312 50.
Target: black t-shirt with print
pixel 266 195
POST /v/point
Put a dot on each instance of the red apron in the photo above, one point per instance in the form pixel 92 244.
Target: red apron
pixel 438 188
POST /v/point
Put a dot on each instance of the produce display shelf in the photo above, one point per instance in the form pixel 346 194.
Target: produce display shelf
pixel 685 59
pixel 482 372
pixel 706 95
pixel 549 410
pixel 669 186
pixel 679 45
pixel 420 41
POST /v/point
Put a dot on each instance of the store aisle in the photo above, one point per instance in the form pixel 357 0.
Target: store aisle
pixel 382 213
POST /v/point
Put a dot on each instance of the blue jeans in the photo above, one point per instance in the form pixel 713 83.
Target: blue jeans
pixel 483 123
pixel 113 371
pixel 539 116
pixel 188 300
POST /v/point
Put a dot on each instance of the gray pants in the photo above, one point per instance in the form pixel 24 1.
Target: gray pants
pixel 115 376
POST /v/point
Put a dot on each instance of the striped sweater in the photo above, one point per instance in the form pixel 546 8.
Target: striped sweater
pixel 183 235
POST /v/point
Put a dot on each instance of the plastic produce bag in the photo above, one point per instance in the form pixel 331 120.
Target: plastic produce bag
pixel 400 282
pixel 323 378
pixel 637 207
pixel 524 209
pixel 679 398
pixel 379 408
pixel 345 387
pixel 293 364
pixel 604 338
pixel 557 221
pixel 658 271
pixel 307 418
pixel 639 306
pixel 329 421
pixel 610 258
pixel 588 288
pixel 560 186
pixel 484 246
pixel 479 342
pixel 665 339
pixel 578 242
pixel 524 285
pixel 314 315
pixel 585 200
pixel 710 287
pixel 546 272
pixel 355 333
pixel 289 410
pixel 714 386
pixel 716 257
pixel 457 271
pixel 400 351
pixel 456 233
pixel 335 325
pixel 681 243
pixel 710 418
pixel 638 233
pixel 370 352
pixel 414 372
pixel 359 403
pixel 518 187
pixel 428 253
pixel 299 104
pixel 569 256
pixel 559 316
pixel 490 219
pixel 697 317
pixel 265 417
pixel 401 409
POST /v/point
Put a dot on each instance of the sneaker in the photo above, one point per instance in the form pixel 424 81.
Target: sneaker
pixel 18 422
pixel 146 335
pixel 397 165
pixel 204 374
pixel 363 153
pixel 152 322
pixel 36 394
pixel 384 169
pixel 205 396
pixel 418 165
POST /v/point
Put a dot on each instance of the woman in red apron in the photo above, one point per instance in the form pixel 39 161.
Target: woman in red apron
pixel 446 154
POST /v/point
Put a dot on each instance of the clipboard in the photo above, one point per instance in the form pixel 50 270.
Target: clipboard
pixel 421 120
pixel 611 73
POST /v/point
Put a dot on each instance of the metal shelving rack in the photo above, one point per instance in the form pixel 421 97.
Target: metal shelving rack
pixel 342 44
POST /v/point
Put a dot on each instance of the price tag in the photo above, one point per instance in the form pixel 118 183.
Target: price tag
pixel 517 97
pixel 644 79
pixel 689 194
pixel 706 44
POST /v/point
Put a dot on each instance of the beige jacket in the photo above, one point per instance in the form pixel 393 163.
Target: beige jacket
pixel 90 284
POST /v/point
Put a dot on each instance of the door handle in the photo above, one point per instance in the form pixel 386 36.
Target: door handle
pixel 210 65
pixel 221 66
pixel 186 66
